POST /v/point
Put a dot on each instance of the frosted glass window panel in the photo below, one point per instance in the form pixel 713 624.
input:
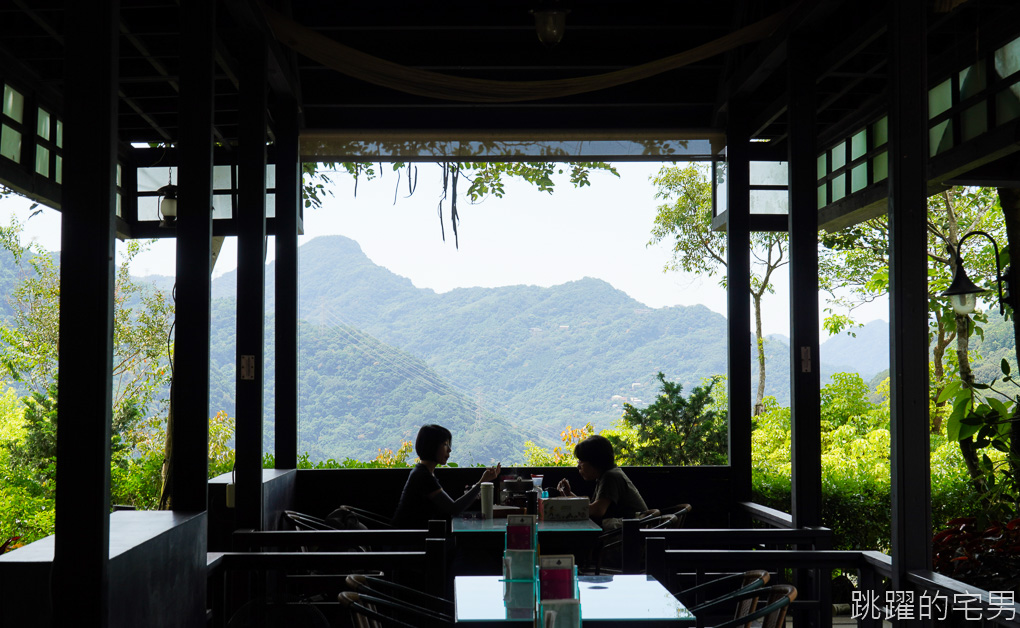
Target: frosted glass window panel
pixel 972 80
pixel 822 167
pixel 859 178
pixel 59 174
pixel 880 166
pixel 838 187
pixel 151 179
pixel 42 161
pixel 148 208
pixel 821 196
pixel 1007 105
pixel 14 104
pixel 60 133
pixel 838 154
pixel 120 176
pixel 270 205
pixel 940 138
pixel 769 173
pixel 221 178
pixel 859 144
pixel 974 121
pixel 118 210
pixel 222 206
pixel 10 143
pixel 880 131
pixel 270 176
pixel 722 202
pixel 1007 59
pixel 940 98
pixel 776 202
pixel 42 124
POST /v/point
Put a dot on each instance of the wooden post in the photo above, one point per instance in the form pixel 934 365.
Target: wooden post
pixel 85 385
pixel 288 212
pixel 908 291
pixel 738 302
pixel 251 290
pixel 189 453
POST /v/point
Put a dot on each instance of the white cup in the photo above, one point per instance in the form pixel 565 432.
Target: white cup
pixel 486 497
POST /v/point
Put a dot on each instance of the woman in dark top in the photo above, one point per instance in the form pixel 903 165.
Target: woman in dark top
pixel 423 499
pixel 615 495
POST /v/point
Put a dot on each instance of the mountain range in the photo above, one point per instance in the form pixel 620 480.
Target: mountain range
pixel 380 357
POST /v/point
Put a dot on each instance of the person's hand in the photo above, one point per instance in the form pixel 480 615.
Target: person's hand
pixel 563 486
pixel 491 473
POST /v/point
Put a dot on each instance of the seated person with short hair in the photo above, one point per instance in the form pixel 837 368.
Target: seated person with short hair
pixel 615 496
pixel 423 499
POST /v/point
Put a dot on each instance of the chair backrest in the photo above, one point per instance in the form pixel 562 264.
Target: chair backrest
pixel 775 601
pixel 723 591
pixel 386 589
pixel 651 513
pixel 301 521
pixel 662 522
pixel 341 518
pixel 369 611
pixel 779 599
pixel 752 580
pixel 682 510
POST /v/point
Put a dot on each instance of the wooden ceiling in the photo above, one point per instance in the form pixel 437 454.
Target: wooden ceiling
pixel 496 39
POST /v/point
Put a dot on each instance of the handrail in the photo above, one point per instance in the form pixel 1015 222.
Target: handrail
pixel 998 610
pixel 634 537
pixel 721 538
pixel 771 516
pixel 335 539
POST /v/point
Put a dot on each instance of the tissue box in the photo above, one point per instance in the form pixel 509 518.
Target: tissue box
pixel 564 509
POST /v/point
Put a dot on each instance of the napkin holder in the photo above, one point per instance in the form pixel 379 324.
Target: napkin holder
pixel 564 509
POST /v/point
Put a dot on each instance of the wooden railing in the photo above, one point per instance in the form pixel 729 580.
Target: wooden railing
pixel 261 571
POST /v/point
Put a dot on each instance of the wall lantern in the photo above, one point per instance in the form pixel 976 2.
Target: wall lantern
pixel 550 22
pixel 168 206
pixel 962 292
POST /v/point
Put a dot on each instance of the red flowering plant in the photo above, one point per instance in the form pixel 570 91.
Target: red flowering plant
pixel 986 556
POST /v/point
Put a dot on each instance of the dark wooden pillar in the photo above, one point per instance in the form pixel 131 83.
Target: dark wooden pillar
pixel 81 552
pixel 804 379
pixel 190 436
pixel 908 290
pixel 288 212
pixel 738 299
pixel 251 296
pixel 805 402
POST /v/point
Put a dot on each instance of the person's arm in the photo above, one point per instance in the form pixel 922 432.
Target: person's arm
pixel 597 509
pixel 451 507
pixel 563 486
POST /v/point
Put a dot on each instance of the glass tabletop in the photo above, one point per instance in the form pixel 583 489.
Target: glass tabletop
pixel 616 598
pixel 499 525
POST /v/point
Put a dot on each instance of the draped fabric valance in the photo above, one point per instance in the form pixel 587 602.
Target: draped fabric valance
pixel 398 77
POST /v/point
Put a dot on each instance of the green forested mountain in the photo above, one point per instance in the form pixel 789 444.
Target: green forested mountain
pixel 541 358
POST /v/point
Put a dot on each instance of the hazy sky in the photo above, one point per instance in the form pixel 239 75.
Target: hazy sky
pixel 527 237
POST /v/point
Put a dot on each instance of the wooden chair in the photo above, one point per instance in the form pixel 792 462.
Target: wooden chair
pixel 371 520
pixel 399 593
pixel 768 604
pixel 705 594
pixel 369 611
pixel 650 519
pixel 680 510
pixel 301 521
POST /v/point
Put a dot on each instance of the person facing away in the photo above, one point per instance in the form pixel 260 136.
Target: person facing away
pixel 423 499
pixel 615 495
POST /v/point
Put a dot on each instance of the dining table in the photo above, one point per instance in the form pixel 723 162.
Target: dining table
pixel 624 601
